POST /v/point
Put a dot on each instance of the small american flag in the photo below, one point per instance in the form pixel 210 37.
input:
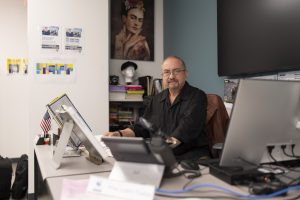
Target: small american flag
pixel 46 123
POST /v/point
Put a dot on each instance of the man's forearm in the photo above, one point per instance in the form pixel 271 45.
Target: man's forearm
pixel 127 132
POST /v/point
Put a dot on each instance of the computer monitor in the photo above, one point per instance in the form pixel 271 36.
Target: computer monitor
pixel 265 113
pixel 54 106
pixel 74 124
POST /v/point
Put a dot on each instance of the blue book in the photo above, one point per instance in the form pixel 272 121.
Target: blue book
pixel 117 88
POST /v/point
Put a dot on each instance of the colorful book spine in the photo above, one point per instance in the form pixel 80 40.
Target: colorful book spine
pixel 117 88
pixel 134 87
pixel 135 91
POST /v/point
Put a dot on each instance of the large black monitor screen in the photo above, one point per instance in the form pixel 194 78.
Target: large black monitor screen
pixel 256 36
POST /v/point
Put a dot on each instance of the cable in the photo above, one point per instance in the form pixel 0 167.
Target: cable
pixel 283 147
pixel 270 150
pixel 293 147
pixel 228 191
pixel 197 196
pixel 285 190
pixel 198 186
pixel 189 181
pixel 193 178
pixel 273 168
pixel 194 173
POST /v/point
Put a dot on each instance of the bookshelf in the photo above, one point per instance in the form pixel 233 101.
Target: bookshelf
pixel 126 93
pixel 123 113
pixel 126 102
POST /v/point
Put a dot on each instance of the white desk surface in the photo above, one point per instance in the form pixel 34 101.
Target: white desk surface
pixel 55 185
pixel 80 168
pixel 69 166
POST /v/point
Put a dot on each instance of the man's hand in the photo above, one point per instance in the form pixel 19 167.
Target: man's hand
pixel 125 133
pixel 112 134
pixel 172 142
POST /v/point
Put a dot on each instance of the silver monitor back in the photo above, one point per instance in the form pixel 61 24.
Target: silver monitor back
pixel 53 108
pixel 73 123
pixel 265 112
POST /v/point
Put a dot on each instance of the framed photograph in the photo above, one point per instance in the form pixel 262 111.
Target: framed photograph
pixel 132 29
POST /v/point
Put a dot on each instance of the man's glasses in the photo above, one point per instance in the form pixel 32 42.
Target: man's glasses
pixel 175 72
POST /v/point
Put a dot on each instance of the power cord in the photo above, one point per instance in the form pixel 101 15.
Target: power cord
pixel 266 188
pixel 293 147
pixel 173 193
pixel 283 147
pixel 270 150
pixel 190 174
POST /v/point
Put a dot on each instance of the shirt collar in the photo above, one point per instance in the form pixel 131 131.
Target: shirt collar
pixel 182 95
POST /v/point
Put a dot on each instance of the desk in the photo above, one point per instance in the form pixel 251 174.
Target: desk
pixel 69 166
pixel 54 178
pixel 55 184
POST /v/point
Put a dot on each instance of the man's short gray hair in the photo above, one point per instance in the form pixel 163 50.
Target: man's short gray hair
pixel 178 58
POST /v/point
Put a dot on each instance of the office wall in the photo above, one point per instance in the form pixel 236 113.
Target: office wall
pixel 89 89
pixel 14 88
pixel 151 68
pixel 190 32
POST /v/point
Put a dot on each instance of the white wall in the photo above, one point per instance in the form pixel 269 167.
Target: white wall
pixel 14 117
pixel 23 99
pixel 147 67
pixel 89 91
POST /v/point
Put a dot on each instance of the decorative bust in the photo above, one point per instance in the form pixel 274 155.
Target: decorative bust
pixel 128 71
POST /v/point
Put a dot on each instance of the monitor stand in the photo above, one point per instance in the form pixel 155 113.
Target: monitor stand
pixel 71 152
pixel 143 173
pixel 63 141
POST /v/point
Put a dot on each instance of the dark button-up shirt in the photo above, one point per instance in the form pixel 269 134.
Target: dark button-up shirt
pixel 184 119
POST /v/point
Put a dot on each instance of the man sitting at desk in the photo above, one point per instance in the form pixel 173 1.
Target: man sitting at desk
pixel 179 111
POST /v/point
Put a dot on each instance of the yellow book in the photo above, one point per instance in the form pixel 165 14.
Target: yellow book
pixel 135 91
